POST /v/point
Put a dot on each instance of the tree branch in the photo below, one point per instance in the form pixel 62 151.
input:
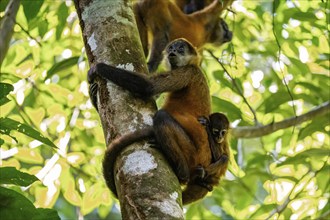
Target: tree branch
pixel 146 185
pixel 7 27
pixel 258 131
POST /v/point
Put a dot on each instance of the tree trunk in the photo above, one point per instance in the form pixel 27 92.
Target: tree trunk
pixel 147 187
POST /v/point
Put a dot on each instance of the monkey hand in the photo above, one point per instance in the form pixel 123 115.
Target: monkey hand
pixel 91 75
pixel 93 87
pixel 222 159
pixel 205 184
pixel 199 173
pixel 203 121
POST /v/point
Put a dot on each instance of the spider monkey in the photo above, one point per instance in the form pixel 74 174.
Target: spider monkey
pixel 164 21
pixel 206 177
pixel 180 136
pixel 217 128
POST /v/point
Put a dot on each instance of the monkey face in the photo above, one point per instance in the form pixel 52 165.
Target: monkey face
pixel 219 125
pixel 219 135
pixel 221 33
pixel 179 53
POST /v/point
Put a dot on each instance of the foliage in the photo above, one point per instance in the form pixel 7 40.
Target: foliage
pixel 14 205
pixel 282 175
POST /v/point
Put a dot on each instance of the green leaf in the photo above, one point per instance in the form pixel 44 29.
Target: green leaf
pixel 3 4
pixel 31 9
pixel 275 100
pixel 63 13
pixel 10 175
pixel 8 125
pixel 64 64
pixel 49 214
pixel 304 16
pixel 314 126
pixel 43 28
pixel 220 105
pixel 14 206
pixel 5 89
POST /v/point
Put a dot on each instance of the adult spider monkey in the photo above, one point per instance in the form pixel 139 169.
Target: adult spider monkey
pixel 164 21
pixel 206 177
pixel 178 133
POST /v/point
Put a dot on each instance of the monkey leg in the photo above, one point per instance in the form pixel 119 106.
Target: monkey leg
pixel 159 43
pixel 193 192
pixel 141 27
pixel 218 168
pixel 199 137
pixel 174 143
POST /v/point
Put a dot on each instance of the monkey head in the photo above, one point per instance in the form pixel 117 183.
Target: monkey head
pixel 180 53
pixel 220 33
pixel 219 126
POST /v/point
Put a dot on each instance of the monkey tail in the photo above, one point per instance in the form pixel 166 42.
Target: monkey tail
pixel 193 192
pixel 114 149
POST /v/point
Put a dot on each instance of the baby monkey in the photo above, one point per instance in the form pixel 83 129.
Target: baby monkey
pixel 204 178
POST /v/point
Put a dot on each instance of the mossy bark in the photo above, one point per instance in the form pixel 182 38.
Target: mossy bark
pixel 147 187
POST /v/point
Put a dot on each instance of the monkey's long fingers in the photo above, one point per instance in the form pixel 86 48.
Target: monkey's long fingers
pixel 91 74
pixel 203 120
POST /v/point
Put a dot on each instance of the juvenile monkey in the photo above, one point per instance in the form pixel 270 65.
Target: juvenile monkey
pixel 217 127
pixel 204 178
pixel 178 133
pixel 164 21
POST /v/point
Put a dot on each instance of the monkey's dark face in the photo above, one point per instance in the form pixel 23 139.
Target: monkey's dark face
pixel 219 134
pixel 219 125
pixel 221 33
pixel 179 53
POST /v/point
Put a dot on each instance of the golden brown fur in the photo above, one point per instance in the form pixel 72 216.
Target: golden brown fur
pixel 164 21
pixel 178 133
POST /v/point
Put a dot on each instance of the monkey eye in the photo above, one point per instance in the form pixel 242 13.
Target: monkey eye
pixel 215 132
pixel 223 132
pixel 181 49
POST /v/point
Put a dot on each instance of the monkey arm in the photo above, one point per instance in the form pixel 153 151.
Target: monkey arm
pixel 215 147
pixel 137 84
pixel 173 80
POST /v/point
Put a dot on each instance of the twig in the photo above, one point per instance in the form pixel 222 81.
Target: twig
pixel 279 59
pixel 236 86
pixel 28 33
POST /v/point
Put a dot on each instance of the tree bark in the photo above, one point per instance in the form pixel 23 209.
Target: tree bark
pixel 147 187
